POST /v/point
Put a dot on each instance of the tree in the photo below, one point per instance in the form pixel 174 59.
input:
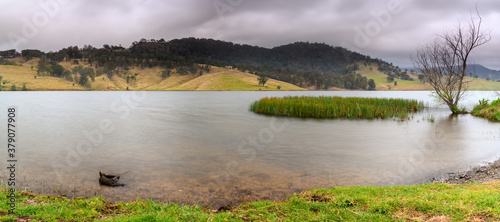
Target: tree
pixel 371 84
pixel 421 77
pixel 44 66
pixel 57 70
pixel 390 78
pixel 262 80
pixel 444 62
pixel 84 81
pixel 13 88
pixel 24 87
pixel 166 73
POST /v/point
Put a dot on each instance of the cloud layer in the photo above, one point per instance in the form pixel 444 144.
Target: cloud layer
pixel 388 29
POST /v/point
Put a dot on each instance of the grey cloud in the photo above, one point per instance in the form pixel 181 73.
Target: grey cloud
pixel 265 23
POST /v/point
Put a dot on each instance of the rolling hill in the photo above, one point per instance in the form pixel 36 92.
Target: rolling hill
pixel 147 79
pixel 407 85
pixel 478 71
pixel 207 64
pixel 484 73
pixel 219 78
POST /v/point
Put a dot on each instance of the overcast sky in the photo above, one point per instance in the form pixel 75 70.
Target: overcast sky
pixel 387 29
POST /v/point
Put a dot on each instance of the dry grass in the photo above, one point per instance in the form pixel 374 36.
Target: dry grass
pixel 146 78
pixel 230 79
pixel 412 215
pixel 20 75
pixel 171 82
pixel 102 83
pixel 120 83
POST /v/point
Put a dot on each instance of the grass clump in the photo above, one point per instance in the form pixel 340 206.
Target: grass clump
pixel 488 111
pixel 337 107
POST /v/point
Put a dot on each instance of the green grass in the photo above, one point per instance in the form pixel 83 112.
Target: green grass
pixel 484 85
pixel 437 202
pixel 488 111
pixel 336 107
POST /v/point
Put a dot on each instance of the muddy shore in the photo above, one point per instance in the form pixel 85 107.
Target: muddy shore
pixel 480 174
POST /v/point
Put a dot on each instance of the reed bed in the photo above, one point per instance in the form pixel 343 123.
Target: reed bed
pixel 337 107
pixel 488 111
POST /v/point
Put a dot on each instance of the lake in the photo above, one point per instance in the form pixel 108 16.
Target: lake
pixel 207 148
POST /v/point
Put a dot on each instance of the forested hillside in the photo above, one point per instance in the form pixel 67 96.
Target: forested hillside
pixel 313 65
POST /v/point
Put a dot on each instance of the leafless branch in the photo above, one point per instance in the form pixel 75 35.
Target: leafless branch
pixel 444 62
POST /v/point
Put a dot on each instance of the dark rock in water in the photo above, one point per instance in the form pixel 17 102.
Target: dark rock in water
pixel 109 180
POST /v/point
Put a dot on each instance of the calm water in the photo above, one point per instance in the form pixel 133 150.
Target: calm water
pixel 207 148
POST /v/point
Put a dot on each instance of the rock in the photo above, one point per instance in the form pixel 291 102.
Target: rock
pixel 109 180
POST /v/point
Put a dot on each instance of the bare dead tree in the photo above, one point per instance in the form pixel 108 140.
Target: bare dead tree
pixel 444 62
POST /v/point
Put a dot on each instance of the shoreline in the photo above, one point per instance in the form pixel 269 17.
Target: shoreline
pixel 479 174
pixel 353 203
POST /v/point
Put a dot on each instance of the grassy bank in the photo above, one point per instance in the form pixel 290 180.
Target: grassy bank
pixel 487 110
pixel 336 107
pixel 438 202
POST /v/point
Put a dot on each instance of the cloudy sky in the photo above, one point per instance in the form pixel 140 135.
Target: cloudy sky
pixel 387 29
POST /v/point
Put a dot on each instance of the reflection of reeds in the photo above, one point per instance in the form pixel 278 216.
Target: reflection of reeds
pixel 337 107
pixel 429 117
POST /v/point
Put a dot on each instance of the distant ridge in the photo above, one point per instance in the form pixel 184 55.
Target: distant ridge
pixel 477 70
pixel 484 73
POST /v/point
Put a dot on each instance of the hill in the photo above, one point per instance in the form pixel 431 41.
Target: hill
pixel 146 79
pixel 314 65
pixel 305 64
pixel 218 78
pixel 380 79
pixel 170 65
pixel 482 72
pixel 479 71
